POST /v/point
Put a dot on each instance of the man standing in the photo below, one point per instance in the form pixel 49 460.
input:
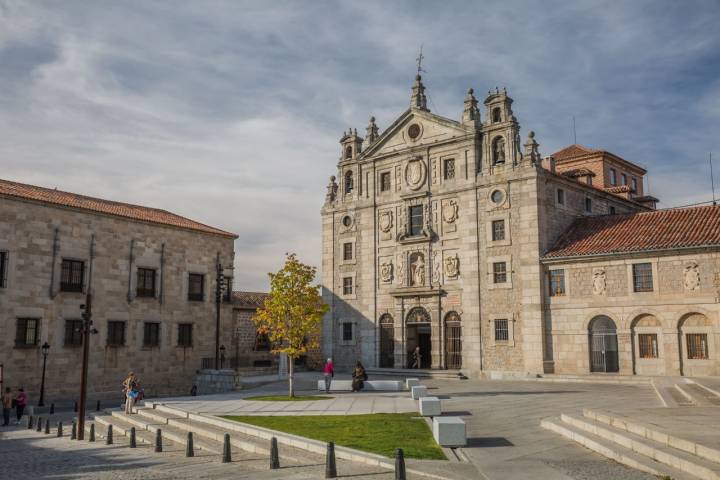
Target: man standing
pixel 7 403
pixel 416 358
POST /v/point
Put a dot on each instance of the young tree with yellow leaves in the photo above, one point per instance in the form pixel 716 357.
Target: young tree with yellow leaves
pixel 292 313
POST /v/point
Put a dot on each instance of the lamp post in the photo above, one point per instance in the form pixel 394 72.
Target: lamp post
pixel 222 356
pixel 44 349
pixel 86 331
pixel 219 281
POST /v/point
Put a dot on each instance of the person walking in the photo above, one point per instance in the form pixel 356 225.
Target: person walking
pixel 359 376
pixel 416 357
pixel 129 385
pixel 7 404
pixel 21 400
pixel 328 373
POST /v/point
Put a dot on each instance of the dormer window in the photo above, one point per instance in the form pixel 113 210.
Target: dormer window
pixel 496 115
pixel 349 182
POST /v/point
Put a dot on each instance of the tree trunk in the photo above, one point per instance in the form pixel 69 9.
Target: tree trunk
pixel 291 383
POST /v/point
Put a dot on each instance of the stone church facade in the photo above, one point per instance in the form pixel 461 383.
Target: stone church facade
pixel 459 238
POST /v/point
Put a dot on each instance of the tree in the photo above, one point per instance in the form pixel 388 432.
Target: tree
pixel 292 313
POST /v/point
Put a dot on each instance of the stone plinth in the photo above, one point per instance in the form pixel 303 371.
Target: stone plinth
pixel 216 381
pixel 449 431
pixel 411 382
pixel 418 392
pixel 430 407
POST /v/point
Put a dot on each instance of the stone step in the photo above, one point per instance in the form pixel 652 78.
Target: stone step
pixel 415 373
pixel 612 450
pixel 611 379
pixel 670 456
pixel 678 396
pixel 120 429
pixel 653 433
pixel 701 396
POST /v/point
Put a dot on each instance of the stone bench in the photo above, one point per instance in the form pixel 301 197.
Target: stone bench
pixel 430 407
pixel 418 391
pixel 371 386
pixel 412 382
pixel 449 431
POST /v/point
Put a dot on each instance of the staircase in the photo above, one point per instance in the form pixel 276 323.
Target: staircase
pixel 638 446
pixel 416 373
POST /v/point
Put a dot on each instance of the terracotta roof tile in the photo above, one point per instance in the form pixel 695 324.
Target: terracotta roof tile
pixel 108 207
pixel 634 232
pixel 249 299
pixel 573 151
pixel 619 189
pixel 578 172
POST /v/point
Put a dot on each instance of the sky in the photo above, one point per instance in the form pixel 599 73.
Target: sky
pixel 230 113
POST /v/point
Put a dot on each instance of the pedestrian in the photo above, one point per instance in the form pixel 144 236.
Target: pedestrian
pixel 129 386
pixel 7 404
pixel 328 373
pixel 359 376
pixel 21 400
pixel 416 357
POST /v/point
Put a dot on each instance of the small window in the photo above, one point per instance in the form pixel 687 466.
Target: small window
pixel 612 210
pixel 151 334
pixel 71 275
pixel 589 180
pixel 560 196
pixel 347 332
pixel 348 152
pixel 501 330
pixel 347 251
pixel 196 287
pixel 449 168
pixel 634 185
pixel 347 286
pixel 416 220
pixel 624 179
pixel 116 334
pixel 648 345
pixel 498 230
pixel 499 272
pixel 697 346
pixel 385 182
pixel 642 277
pixel 613 177
pixel 557 283
pixel 185 335
pixel 588 205
pixel 349 185
pixel 227 293
pixel 145 282
pixel 347 221
pixel 73 333
pixel 4 256
pixel 262 342
pixel 497 197
pixel 27 332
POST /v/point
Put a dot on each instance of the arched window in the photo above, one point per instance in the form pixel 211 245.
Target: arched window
pixel 498 151
pixel 348 152
pixel 349 182
pixel 603 345
pixel 496 115
pixel 453 341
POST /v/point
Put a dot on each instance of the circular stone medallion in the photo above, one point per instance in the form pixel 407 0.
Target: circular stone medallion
pixel 414 131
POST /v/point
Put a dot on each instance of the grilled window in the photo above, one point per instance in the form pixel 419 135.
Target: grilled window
pixel 347 332
pixel 449 168
pixel 560 196
pixel 557 283
pixel 3 269
pixel 642 277
pixel 648 345
pixel 145 282
pixel 416 220
pixel 501 330
pixel 151 336
pixel 116 334
pixel 385 182
pixel 27 332
pixel 499 272
pixel 588 204
pixel 347 251
pixel 697 346
pixel 185 338
pixel 71 275
pixel 349 185
pixel 498 230
pixel 73 333
pixel 196 287
pixel 347 286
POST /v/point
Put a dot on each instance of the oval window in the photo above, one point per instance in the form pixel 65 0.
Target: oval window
pixel 347 221
pixel 497 196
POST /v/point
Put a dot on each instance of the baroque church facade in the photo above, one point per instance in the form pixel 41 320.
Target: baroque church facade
pixel 457 237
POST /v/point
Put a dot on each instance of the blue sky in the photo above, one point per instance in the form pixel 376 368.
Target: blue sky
pixel 230 112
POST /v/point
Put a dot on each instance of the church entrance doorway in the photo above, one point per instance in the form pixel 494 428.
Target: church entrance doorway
pixel 603 345
pixel 419 335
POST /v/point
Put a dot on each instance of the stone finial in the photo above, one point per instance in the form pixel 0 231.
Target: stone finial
pixel 371 133
pixel 418 100
pixel 471 114
pixel 531 149
pixel 331 191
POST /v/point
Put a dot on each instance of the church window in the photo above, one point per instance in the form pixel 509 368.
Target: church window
pixel 498 151
pixel 624 179
pixel 416 220
pixel 498 230
pixel 347 221
pixel 449 169
pixel 499 272
pixel 502 333
pixel 588 204
pixel 497 197
pixel 347 251
pixel 349 182
pixel 557 283
pixel 347 286
pixel 697 346
pixel 348 153
pixel 613 177
pixel 347 332
pixel 648 345
pixel 496 115
pixel 385 182
pixel 642 277
pixel 560 196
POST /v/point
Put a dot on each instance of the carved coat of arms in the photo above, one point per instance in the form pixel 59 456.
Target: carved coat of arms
pixel 450 212
pixel 415 173
pixel 386 271
pixel 599 282
pixel 386 221
pixel 692 277
pixel 452 266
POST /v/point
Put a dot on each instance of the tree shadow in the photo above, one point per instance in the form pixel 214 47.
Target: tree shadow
pixel 489 442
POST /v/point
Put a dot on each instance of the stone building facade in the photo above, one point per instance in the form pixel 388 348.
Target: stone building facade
pixel 435 234
pixel 152 276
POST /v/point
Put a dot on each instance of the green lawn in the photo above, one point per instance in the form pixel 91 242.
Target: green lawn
pixel 379 433
pixel 285 398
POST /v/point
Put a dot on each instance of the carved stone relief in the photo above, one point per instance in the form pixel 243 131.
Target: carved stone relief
pixel 691 276
pixel 452 266
pixel 599 284
pixel 386 224
pixel 386 271
pixel 436 272
pixel 415 173
pixel 401 269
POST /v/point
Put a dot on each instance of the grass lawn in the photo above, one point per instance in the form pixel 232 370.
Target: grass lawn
pixel 379 433
pixel 285 398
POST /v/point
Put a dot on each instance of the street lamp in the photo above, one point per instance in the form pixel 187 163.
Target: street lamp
pixel 44 349
pixel 222 356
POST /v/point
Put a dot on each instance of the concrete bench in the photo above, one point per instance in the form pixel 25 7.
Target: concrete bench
pixel 449 431
pixel 418 392
pixel 430 407
pixel 412 382
pixel 371 386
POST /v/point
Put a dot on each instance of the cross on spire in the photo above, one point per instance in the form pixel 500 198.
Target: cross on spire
pixel 419 60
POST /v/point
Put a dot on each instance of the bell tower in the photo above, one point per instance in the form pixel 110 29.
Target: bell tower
pixel 502 133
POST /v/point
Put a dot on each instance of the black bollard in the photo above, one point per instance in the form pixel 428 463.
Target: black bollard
pixel 158 440
pixel 189 446
pixel 330 465
pixel 59 431
pixel 52 408
pixel 39 425
pixel 75 408
pixel 108 437
pixel 226 456
pixel 400 465
pixel 73 431
pixel 97 407
pixel 92 433
pixel 47 427
pixel 133 440
pixel 30 422
pixel 274 456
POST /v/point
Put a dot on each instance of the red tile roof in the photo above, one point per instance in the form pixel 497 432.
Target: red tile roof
pixel 573 151
pixel 252 300
pixel 634 232
pixel 108 207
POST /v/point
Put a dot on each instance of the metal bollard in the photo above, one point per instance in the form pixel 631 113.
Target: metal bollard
pixel 189 446
pixel 92 433
pixel 133 439
pixel 330 464
pixel 226 456
pixel 400 465
pixel 274 456
pixel 47 427
pixel 108 437
pixel 39 425
pixel 30 422
pixel 73 431
pixel 97 407
pixel 158 440
pixel 59 429
pixel 52 408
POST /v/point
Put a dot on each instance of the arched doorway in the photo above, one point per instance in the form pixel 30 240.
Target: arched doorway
pixel 387 341
pixel 418 335
pixel 647 345
pixel 453 341
pixel 603 345
pixel 696 345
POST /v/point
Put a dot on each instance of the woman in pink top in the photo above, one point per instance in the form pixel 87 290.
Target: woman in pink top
pixel 328 372
pixel 21 400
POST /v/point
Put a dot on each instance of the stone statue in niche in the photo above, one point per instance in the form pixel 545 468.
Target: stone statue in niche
pixel 599 284
pixel 452 266
pixel 417 269
pixel 499 150
pixel 450 211
pixel 386 221
pixel 692 277
pixel 401 269
pixel 386 271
